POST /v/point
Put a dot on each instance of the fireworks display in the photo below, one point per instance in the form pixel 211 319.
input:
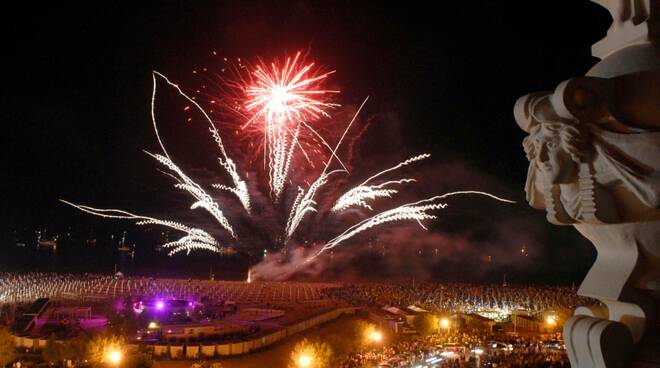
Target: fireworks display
pixel 359 195
pixel 304 202
pixel 239 188
pixel 194 238
pixel 416 211
pixel 281 101
pixel 203 199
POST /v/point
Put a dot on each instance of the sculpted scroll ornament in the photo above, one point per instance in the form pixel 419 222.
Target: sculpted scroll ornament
pixel 594 163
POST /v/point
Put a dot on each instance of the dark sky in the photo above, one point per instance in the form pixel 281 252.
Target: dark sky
pixel 76 84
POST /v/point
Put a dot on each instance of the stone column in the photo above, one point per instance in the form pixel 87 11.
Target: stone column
pixel 594 152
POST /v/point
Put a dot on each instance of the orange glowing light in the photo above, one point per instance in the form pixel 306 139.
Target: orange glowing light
pixel 304 361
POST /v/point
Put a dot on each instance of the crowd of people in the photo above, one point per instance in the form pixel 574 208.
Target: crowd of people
pixel 459 297
pixel 507 351
pixel 456 297
pixel 460 349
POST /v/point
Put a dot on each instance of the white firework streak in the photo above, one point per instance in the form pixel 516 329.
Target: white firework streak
pixel 358 196
pixel 304 202
pixel 416 211
pixel 240 188
pixel 325 143
pixel 281 153
pixel 195 238
pixel 204 200
pixel 281 149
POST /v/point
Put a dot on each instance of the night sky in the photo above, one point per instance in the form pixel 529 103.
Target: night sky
pixel 76 87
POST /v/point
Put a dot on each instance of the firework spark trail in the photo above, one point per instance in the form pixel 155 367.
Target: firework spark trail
pixel 325 143
pixel 282 151
pixel 417 211
pixel 401 213
pixel 358 196
pixel 283 102
pixel 240 187
pixel 204 200
pixel 281 98
pixel 304 202
pixel 195 238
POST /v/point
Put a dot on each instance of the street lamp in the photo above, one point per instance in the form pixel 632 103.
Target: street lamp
pixel 304 361
pixel 376 336
pixel 114 356
pixel 444 323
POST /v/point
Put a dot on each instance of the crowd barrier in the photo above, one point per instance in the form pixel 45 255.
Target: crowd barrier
pixel 197 350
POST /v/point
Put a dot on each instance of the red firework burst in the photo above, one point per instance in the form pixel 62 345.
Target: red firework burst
pixel 286 94
pixel 281 99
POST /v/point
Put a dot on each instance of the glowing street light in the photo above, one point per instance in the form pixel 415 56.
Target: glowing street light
pixel 114 356
pixel 444 323
pixel 304 361
pixel 376 336
pixel 551 321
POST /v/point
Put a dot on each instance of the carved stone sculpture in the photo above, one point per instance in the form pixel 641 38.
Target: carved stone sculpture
pixel 594 152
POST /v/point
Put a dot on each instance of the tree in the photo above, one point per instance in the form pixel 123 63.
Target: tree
pixel 425 324
pixel 7 348
pixel 310 354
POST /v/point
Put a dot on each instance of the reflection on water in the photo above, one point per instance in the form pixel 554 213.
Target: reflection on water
pixel 45 256
pixel 105 256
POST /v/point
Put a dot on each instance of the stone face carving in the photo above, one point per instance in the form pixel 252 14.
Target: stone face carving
pixel 594 153
pixel 587 152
